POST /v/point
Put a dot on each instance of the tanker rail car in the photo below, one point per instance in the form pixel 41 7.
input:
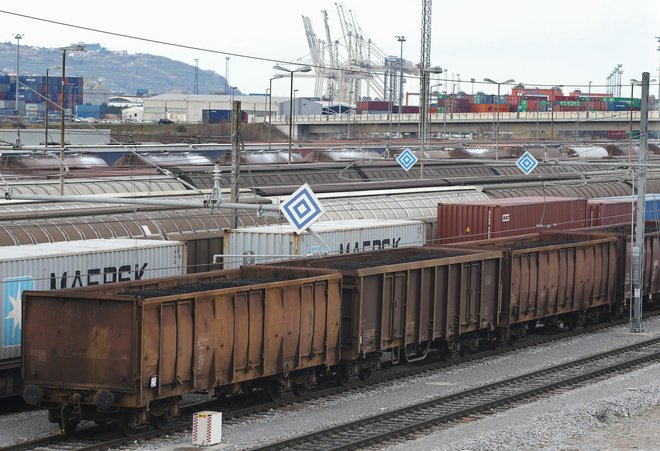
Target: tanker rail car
pixel 288 324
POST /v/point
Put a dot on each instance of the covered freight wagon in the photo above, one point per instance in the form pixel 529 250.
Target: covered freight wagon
pixel 127 352
pixel 264 244
pixel 482 220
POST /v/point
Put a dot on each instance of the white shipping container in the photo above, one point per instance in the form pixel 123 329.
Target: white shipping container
pixel 251 245
pixel 71 264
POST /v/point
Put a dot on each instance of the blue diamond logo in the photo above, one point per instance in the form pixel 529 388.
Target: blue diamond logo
pixel 527 163
pixel 406 159
pixel 302 209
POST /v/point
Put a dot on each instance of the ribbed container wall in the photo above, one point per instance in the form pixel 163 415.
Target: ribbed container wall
pixel 508 217
pixel 609 212
pixel 267 244
pixel 50 266
pixel 651 206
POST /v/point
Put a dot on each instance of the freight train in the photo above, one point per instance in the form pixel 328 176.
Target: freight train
pixel 128 352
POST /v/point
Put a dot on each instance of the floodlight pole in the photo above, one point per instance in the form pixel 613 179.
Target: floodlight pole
pixel 636 324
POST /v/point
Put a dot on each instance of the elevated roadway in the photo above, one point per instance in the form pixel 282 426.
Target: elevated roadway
pixel 519 125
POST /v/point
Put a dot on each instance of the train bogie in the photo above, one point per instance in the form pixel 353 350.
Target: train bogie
pixel 131 351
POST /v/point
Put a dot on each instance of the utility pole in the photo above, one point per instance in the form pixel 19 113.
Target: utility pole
pixel 636 324
pixel 18 110
pixel 226 75
pixel 235 160
pixel 424 65
pixel 196 76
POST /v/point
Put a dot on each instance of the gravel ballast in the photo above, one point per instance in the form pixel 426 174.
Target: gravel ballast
pixel 556 421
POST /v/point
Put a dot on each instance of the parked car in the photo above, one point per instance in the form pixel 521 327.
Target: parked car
pixel 165 121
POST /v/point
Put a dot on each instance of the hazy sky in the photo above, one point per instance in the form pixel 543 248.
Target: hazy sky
pixel 534 42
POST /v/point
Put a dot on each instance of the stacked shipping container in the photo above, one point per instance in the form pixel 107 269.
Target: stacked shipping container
pixel 497 218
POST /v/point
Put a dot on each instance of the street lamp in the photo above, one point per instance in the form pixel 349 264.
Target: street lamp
pixel 18 38
pixel 497 135
pixel 226 75
pixel 48 101
pixel 72 48
pixel 633 83
pixel 620 73
pixel 389 120
pixel 291 72
pixel 444 115
pixel 657 99
pixel 231 101
pixel 589 99
pixel 348 116
pixel 552 112
pixel 270 103
pixel 424 116
pixel 401 40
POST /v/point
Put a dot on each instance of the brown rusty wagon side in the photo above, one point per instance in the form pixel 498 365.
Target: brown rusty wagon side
pixel 130 351
pixel 555 276
pixel 409 301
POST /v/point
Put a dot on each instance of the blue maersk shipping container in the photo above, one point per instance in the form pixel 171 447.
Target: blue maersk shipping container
pixel 652 205
pixel 89 111
pixel 617 106
pixel 220 116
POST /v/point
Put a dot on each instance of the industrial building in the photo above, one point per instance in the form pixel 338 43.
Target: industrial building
pixel 190 108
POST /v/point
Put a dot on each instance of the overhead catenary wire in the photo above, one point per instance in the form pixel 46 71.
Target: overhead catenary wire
pixel 245 55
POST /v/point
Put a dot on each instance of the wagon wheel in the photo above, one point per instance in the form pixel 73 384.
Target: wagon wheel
pixel 301 384
pixel 343 375
pixel 572 321
pixel 70 426
pixel 299 389
pixel 158 421
pixel 124 427
pixel 274 389
pixel 365 373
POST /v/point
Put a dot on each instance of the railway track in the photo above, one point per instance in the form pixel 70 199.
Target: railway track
pixel 481 400
pixel 102 437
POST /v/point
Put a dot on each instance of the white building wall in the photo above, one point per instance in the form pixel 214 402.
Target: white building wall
pixel 188 107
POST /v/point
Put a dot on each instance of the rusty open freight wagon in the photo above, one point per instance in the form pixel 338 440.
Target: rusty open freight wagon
pixel 554 276
pixel 410 301
pixel 128 352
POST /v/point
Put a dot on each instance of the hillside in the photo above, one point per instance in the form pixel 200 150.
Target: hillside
pixel 119 71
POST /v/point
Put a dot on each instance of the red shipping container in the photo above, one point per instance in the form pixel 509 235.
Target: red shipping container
pixel 616 134
pixel 488 107
pixel 497 218
pixel 603 212
pixel 372 106
pixel 532 105
pixel 410 109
